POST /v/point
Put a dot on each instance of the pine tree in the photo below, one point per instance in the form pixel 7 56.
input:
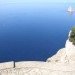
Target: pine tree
pixel 72 36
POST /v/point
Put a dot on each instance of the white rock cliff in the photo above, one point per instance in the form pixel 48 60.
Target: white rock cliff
pixel 62 63
pixel 64 55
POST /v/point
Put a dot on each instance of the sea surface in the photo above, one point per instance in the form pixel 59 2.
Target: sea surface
pixel 33 31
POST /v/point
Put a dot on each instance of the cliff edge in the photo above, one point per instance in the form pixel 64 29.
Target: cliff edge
pixel 62 63
pixel 67 54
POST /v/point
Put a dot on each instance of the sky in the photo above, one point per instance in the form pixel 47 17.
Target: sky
pixel 37 1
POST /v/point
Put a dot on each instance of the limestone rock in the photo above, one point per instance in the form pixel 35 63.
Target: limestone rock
pixel 64 55
pixel 62 63
pixel 57 56
pixel 38 68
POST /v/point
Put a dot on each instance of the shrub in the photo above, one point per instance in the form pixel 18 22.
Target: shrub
pixel 72 36
pixel 56 60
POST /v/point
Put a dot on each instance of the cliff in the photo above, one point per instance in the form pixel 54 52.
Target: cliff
pixel 67 54
pixel 62 63
pixel 36 68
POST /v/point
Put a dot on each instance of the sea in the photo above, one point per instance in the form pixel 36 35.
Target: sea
pixel 33 31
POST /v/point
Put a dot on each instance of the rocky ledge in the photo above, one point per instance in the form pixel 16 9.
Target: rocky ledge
pixel 62 63
pixel 67 54
pixel 36 68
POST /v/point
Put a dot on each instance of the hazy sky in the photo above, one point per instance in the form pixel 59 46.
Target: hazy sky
pixel 36 1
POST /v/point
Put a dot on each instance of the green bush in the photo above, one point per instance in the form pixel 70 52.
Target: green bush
pixel 72 36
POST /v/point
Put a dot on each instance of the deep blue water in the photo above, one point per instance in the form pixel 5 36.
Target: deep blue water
pixel 33 32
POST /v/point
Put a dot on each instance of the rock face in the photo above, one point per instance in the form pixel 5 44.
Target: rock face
pixel 36 68
pixel 62 63
pixel 64 55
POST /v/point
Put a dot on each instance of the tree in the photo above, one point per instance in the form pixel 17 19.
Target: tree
pixel 72 36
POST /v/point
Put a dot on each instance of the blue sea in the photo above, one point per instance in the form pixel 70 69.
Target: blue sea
pixel 33 31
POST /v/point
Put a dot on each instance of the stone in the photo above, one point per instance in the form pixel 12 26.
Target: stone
pixel 6 65
pixel 62 63
pixel 40 68
pixel 64 55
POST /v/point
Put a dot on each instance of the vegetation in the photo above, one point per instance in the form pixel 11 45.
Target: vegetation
pixel 72 36
pixel 48 60
pixel 56 60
